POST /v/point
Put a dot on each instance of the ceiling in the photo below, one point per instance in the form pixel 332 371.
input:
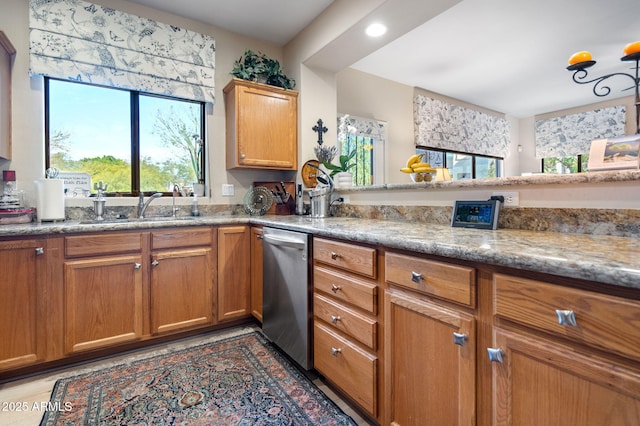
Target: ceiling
pixel 505 55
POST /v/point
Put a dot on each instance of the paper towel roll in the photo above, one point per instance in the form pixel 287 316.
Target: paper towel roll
pixel 50 202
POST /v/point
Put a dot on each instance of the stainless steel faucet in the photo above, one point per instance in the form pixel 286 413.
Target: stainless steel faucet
pixel 142 205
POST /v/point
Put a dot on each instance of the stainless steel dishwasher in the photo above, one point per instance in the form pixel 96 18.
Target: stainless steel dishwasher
pixel 287 292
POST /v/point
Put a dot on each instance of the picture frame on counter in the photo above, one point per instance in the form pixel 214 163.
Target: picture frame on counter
pixel 619 153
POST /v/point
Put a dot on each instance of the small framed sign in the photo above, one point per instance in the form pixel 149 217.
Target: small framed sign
pixel 614 153
pixel 476 214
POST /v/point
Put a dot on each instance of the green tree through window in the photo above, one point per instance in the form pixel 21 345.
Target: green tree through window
pixel 130 140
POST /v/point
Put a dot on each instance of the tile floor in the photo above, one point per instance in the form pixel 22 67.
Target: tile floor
pixel 20 400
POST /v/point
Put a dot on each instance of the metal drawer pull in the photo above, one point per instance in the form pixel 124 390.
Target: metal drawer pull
pixel 334 255
pixel 335 351
pixel 416 277
pixel 459 338
pixel 566 317
pixel 137 266
pixel 155 263
pixel 495 354
pixel 39 251
pixel 335 319
pixel 335 288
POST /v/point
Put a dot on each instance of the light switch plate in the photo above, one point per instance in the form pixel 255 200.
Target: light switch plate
pixel 228 190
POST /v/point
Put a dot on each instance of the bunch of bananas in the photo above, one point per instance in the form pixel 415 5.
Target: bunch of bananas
pixel 415 165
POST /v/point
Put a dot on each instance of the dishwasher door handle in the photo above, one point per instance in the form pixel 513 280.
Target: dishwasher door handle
pixel 289 242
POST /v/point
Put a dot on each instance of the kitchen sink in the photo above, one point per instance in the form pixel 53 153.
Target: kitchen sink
pixel 135 220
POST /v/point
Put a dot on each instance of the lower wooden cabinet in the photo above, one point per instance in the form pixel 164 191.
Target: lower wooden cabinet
pixel 102 302
pixel 22 310
pixel 181 289
pixel 348 366
pixel 256 273
pixel 234 273
pixel 563 356
pixel 429 363
pixel 539 382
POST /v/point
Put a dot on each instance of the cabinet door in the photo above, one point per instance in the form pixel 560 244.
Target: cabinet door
pixel 21 305
pixel 102 302
pixel 256 273
pixel 262 126
pixel 234 269
pixel 542 383
pixel 181 289
pixel 430 374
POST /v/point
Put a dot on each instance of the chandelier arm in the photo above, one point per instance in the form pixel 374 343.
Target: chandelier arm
pixel 599 90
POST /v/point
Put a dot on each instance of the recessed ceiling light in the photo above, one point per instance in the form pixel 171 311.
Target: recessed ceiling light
pixel 375 30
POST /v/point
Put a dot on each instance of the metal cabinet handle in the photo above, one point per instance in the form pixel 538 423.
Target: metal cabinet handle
pixel 243 156
pixel 566 317
pixel 335 319
pixel 137 266
pixel 155 262
pixel 416 277
pixel 39 251
pixel 495 355
pixel 459 338
pixel 259 237
pixel 334 255
pixel 335 288
pixel 335 351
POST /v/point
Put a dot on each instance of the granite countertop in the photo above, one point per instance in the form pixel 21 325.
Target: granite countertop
pixel 605 259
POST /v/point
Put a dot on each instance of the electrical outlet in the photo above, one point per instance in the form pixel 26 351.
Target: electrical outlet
pixel 511 199
pixel 228 190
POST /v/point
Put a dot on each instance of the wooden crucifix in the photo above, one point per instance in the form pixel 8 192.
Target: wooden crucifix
pixel 320 129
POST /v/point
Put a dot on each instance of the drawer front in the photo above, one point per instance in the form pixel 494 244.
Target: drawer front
pixel 356 325
pixel 188 237
pixel 346 288
pixel 451 282
pixel 350 368
pixel 607 322
pixel 99 244
pixel 350 257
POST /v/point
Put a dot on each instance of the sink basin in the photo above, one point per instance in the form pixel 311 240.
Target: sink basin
pixel 135 219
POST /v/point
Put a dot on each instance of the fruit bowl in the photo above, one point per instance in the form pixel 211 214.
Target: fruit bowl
pixel 422 177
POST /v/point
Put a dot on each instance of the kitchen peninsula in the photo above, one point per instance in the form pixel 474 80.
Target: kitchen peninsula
pixel 498 290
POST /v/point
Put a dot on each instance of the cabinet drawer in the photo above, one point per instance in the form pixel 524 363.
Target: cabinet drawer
pixel 188 237
pixel 100 244
pixel 607 322
pixel 350 368
pixel 358 326
pixel 346 288
pixel 353 258
pixel 452 282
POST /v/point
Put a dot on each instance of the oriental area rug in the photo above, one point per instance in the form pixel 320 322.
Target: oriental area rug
pixel 239 380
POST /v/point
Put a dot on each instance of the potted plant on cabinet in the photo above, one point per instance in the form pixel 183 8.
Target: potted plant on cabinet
pixel 256 66
pixel 341 172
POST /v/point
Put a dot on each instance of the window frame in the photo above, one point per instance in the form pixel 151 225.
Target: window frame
pixel 499 166
pixel 134 106
pixel 579 163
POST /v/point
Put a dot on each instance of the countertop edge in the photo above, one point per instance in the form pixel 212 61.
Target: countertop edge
pixel 510 248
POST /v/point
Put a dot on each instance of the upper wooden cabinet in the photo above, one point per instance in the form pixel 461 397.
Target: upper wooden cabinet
pixel 6 53
pixel 261 126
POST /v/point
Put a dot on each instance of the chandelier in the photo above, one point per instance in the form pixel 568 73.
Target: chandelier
pixel 580 61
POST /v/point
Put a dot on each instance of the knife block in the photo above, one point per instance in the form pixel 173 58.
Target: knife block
pixel 281 209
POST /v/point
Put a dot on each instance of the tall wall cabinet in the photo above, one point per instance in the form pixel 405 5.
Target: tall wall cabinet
pixel 261 126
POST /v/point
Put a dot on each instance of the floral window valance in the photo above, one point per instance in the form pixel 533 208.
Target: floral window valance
pixel 572 134
pixel 439 124
pixel 81 41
